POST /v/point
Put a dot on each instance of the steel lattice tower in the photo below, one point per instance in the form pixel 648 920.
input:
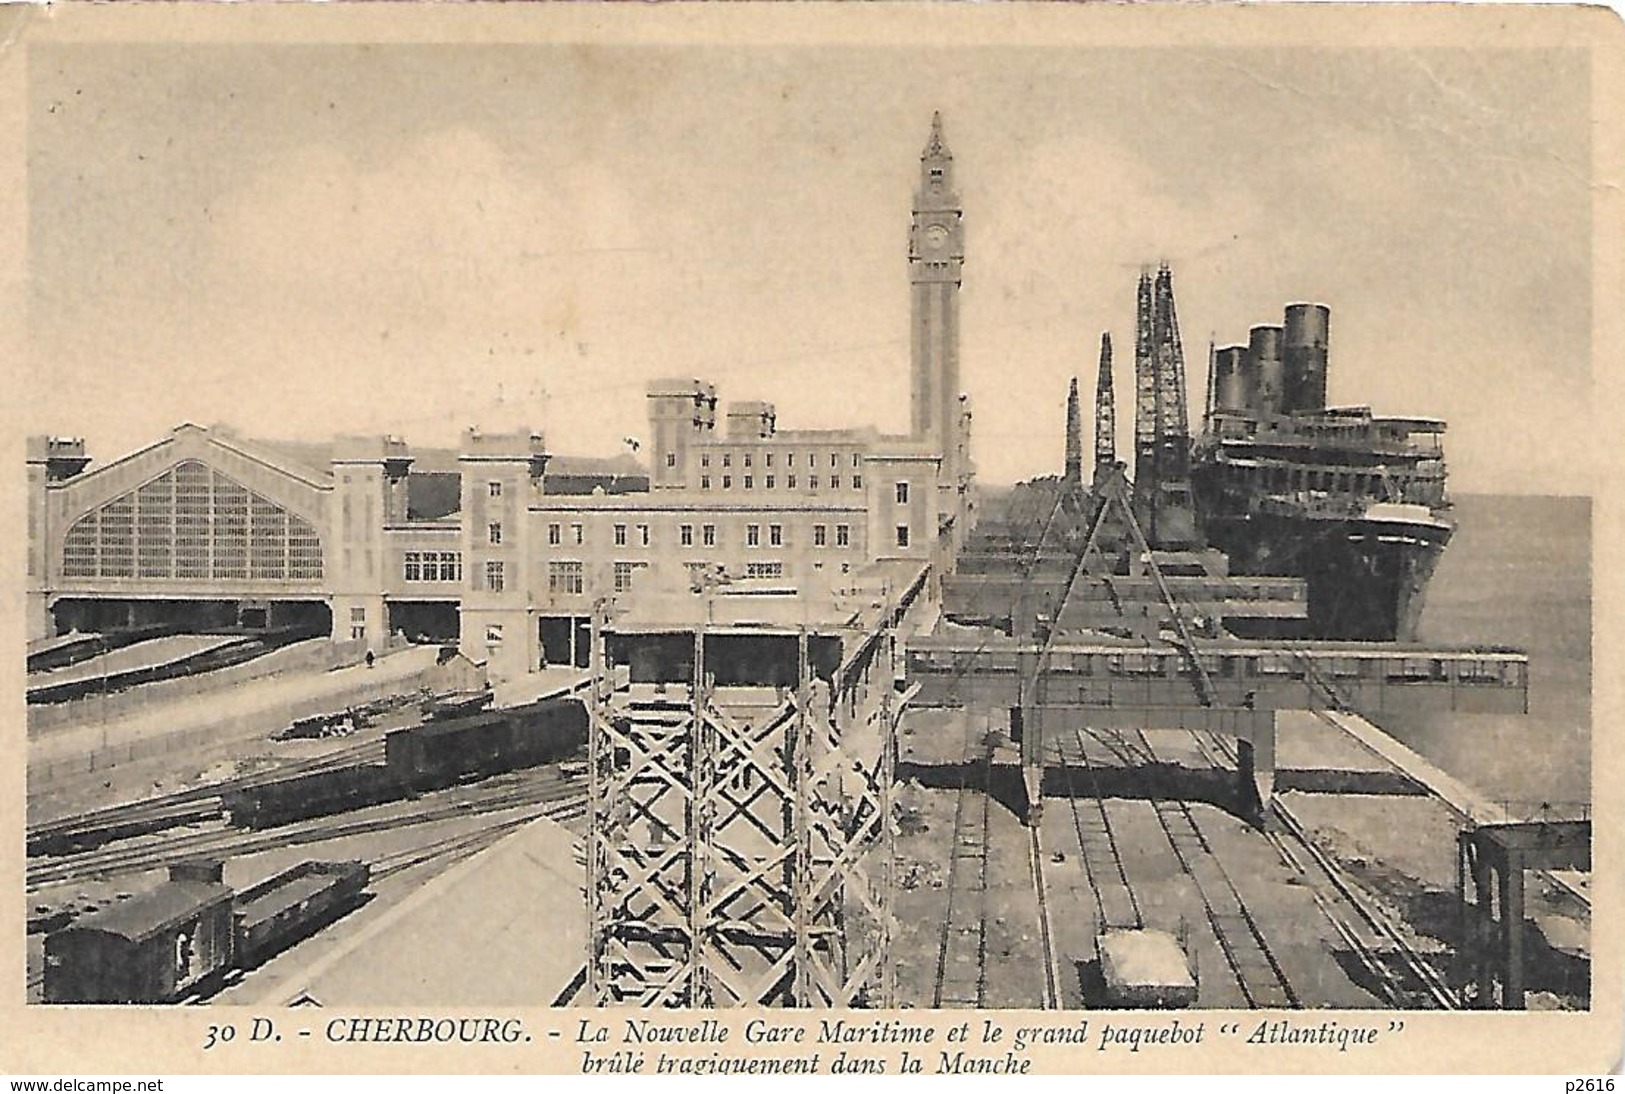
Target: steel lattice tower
pixel 1174 522
pixel 740 854
pixel 1105 410
pixel 1074 435
pixel 1146 416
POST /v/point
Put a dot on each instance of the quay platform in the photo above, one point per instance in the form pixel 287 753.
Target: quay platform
pixel 1344 896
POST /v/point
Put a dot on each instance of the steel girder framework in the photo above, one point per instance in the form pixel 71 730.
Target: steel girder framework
pixel 742 855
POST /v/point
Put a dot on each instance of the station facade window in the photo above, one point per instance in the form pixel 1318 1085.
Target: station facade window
pixel 193 523
pixel 624 572
pixel 565 578
pixel 433 566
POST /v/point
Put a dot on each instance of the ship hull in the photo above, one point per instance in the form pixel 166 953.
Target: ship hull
pixel 1366 579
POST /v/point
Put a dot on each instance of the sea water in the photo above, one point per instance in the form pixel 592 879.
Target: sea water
pixel 1516 573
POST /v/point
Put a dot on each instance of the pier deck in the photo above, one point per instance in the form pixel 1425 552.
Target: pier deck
pixel 1346 899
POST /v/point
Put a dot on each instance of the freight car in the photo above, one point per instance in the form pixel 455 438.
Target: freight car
pixel 284 801
pixel 301 900
pixel 421 758
pixel 184 936
pixel 148 949
pixel 439 754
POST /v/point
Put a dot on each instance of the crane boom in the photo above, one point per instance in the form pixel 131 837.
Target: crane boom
pixel 1105 410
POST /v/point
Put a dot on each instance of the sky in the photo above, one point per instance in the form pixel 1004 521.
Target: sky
pixel 305 240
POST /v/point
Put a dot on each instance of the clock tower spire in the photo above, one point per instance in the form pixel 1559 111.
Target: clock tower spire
pixel 936 252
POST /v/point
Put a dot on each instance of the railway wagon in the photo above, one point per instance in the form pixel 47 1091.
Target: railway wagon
pixel 284 801
pixel 151 948
pixel 180 938
pixel 549 730
pixel 440 753
pixel 284 909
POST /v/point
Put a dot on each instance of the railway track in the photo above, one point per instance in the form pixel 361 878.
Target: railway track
pixel 1406 978
pixel 1046 939
pixel 201 798
pixel 178 847
pixel 470 843
pixel 1397 970
pixel 459 846
pixel 1115 902
pixel 462 845
pixel 1258 973
pixel 962 952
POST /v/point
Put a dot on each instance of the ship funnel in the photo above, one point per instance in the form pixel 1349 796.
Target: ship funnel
pixel 1304 350
pixel 1266 369
pixel 1231 387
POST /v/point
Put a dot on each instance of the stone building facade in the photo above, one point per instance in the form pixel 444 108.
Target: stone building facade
pixel 501 546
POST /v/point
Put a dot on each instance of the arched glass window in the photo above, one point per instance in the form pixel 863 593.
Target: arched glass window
pixel 193 523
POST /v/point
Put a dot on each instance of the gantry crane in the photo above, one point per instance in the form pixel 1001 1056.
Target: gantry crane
pixel 1105 412
pixel 1162 490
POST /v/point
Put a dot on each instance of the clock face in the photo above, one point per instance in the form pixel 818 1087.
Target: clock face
pixel 936 237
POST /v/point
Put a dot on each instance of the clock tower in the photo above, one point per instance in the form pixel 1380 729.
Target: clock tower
pixel 936 251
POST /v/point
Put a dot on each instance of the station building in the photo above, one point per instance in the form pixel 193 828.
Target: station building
pixel 503 547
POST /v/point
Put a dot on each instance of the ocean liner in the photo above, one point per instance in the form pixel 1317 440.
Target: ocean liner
pixel 1353 503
